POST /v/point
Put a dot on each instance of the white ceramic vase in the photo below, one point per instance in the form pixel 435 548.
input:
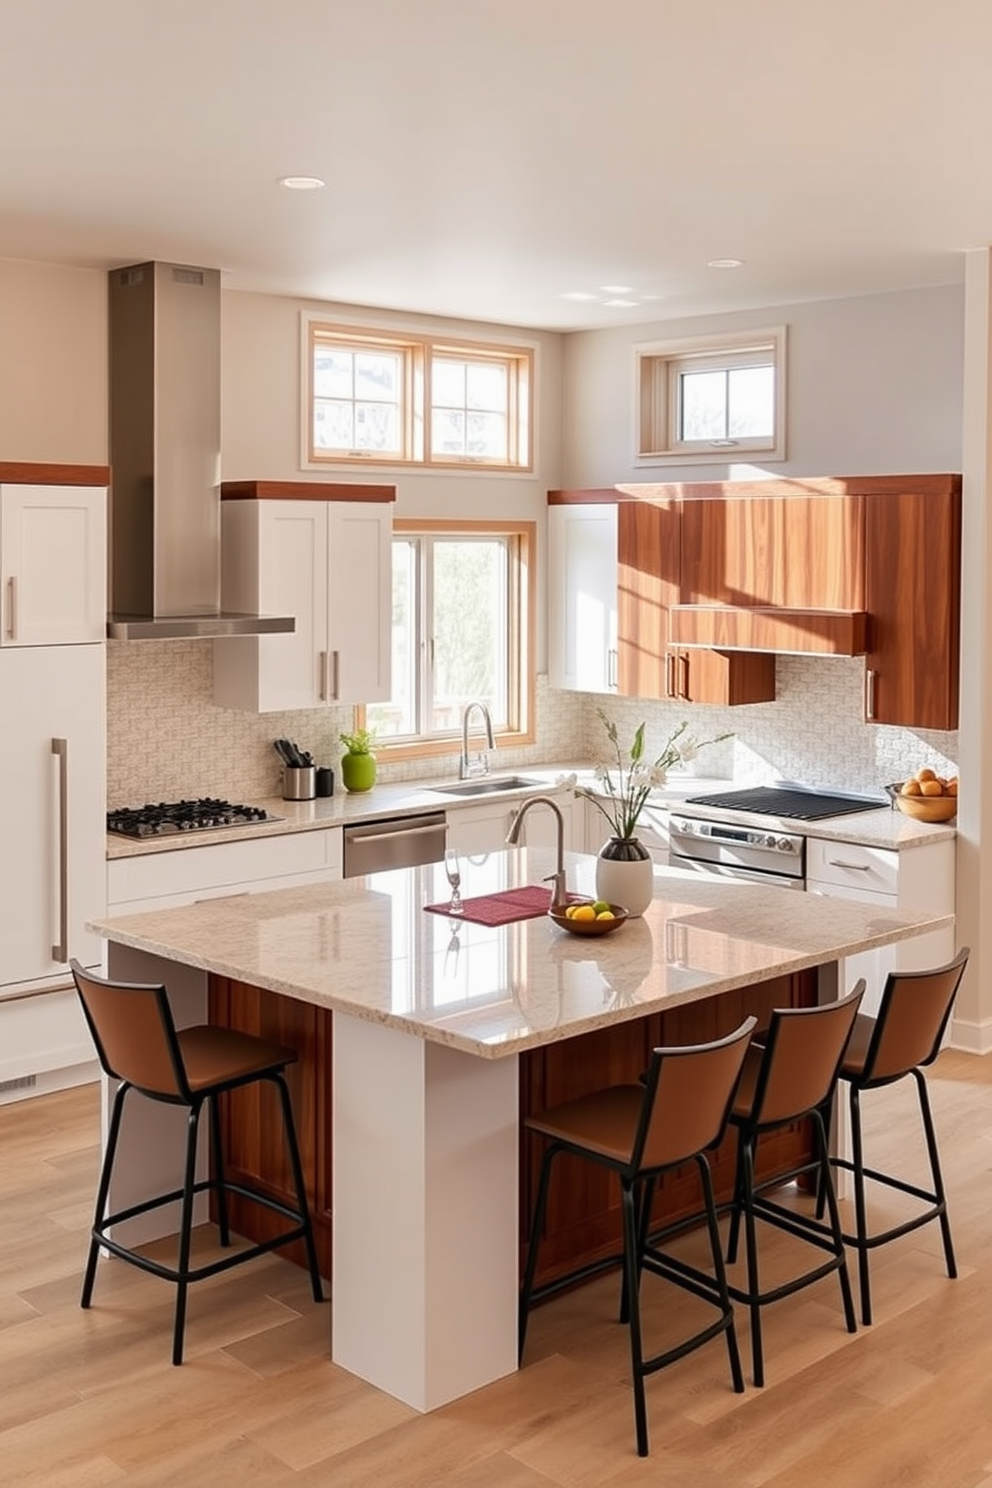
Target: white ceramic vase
pixel 625 874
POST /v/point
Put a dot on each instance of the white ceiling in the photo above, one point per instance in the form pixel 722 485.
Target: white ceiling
pixel 485 157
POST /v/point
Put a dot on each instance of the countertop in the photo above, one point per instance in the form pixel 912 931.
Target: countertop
pixel 367 947
pixel 885 828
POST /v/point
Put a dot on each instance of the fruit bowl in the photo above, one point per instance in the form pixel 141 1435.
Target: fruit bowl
pixel 928 808
pixel 589 927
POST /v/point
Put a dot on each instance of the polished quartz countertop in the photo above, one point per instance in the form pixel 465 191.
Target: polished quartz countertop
pixel 366 946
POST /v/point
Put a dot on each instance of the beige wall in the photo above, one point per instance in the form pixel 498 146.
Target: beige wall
pixel 53 363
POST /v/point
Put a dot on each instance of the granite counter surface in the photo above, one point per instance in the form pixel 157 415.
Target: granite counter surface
pixel 366 946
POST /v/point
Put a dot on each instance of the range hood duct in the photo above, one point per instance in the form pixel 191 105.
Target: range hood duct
pixel 165 458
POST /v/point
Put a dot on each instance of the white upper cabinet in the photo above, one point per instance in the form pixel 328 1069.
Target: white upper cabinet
pixel 53 564
pixel 582 597
pixel 327 563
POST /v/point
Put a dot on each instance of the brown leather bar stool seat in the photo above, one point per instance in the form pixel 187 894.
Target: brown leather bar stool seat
pixel 639 1131
pixel 138 1045
pixel 789 1075
pixel 898 1044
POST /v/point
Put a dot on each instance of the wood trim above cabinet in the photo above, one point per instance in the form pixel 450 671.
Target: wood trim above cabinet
pixel 590 497
pixel 267 490
pixel 20 473
pixel 758 628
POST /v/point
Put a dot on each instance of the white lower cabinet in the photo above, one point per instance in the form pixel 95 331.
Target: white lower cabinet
pixel 916 878
pixel 166 880
pixel 480 829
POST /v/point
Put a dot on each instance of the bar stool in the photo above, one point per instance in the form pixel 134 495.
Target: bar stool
pixel 639 1131
pixel 901 1041
pixel 138 1044
pixel 790 1075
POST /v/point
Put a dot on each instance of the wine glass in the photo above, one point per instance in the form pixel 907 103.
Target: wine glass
pixel 452 869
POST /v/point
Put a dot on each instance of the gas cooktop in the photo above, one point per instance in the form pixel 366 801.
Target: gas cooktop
pixel 803 805
pixel 202 815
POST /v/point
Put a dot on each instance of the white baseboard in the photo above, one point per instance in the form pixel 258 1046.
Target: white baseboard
pixel 971 1037
pixel 46 1081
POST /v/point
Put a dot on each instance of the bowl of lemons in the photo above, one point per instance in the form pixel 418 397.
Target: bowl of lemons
pixel 589 917
pixel 927 796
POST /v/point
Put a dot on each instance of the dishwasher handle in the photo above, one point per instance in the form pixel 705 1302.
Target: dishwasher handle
pixel 397 842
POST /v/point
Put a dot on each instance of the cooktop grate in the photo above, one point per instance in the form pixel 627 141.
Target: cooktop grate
pixel 201 815
pixel 803 805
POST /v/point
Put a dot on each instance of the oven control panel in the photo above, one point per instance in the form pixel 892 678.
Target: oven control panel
pixel 742 837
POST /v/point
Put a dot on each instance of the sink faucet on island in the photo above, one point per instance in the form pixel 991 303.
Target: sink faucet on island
pixel 559 893
pixel 470 768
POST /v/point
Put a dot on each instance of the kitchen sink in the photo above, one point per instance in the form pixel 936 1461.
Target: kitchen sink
pixel 484 786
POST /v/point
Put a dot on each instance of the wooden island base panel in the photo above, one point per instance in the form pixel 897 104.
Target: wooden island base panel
pixel 423 1043
pixel 583 1221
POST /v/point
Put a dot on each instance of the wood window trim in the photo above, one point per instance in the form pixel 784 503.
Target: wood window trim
pixel 522 664
pixel 417 349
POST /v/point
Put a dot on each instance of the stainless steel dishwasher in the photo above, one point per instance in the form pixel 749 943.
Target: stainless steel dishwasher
pixel 394 842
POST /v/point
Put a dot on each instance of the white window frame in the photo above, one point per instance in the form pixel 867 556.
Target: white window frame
pixel 657 365
pixel 417 350
pixel 521 600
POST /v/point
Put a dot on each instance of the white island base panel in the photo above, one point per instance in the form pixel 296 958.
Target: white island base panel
pixel 425 1206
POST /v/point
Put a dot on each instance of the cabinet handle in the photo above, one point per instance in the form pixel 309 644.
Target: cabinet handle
pixel 670 675
pixel 684 676
pixel 611 668
pixel 870 693
pixel 12 608
pixel 325 678
pixel 336 674
pixel 854 867
pixel 60 952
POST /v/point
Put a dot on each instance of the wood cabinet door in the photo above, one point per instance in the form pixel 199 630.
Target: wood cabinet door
pixel 913 584
pixel 647 583
pixel 724 677
pixel 53 565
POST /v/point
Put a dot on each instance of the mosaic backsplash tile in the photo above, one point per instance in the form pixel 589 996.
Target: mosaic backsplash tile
pixel 167 739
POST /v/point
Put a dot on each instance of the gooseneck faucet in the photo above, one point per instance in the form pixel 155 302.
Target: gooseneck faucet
pixel 480 765
pixel 559 893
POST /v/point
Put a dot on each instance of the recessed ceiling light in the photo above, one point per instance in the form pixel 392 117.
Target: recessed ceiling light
pixel 579 294
pixel 302 183
pixel 622 304
pixel 617 289
pixel 725 263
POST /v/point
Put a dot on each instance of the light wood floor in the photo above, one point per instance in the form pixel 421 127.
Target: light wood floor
pixel 90 1399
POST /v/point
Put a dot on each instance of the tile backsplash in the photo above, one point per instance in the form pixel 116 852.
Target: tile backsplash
pixel 167 739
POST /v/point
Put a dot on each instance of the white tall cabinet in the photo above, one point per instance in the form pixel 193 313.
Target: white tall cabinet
pixel 582 596
pixel 323 554
pixel 52 766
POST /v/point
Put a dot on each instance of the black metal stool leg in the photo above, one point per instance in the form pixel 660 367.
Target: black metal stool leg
pixel 938 1177
pixel 751 1253
pixel 860 1205
pixel 720 1272
pixel 632 1294
pixel 185 1234
pixel 837 1233
pixel 303 1205
pixel 220 1176
pixel 100 1207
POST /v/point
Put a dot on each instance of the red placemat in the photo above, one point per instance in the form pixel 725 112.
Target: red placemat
pixel 502 908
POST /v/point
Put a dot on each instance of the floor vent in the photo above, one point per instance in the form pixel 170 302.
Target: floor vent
pixel 23 1082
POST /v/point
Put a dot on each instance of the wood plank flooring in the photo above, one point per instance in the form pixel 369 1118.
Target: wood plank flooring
pixel 90 1400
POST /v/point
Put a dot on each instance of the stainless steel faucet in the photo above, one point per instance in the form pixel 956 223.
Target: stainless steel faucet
pixel 480 765
pixel 559 893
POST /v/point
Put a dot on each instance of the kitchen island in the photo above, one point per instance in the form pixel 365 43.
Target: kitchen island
pixel 437 1023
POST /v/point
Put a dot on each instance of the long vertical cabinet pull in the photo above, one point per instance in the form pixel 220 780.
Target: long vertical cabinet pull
pixel 336 675
pixel 325 676
pixel 60 952
pixel 870 694
pixel 12 608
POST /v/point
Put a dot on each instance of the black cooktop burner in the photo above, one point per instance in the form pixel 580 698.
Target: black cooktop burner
pixel 803 805
pixel 182 816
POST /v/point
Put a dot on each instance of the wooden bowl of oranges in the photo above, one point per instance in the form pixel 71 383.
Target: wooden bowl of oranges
pixel 590 917
pixel 928 796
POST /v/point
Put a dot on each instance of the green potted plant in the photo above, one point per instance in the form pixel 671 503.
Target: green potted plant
pixel 358 763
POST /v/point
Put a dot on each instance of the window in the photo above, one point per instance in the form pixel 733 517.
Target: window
pixel 462 631
pixel 405 399
pixel 711 397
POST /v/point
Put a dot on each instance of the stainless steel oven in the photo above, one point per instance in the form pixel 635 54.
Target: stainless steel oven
pixel 727 850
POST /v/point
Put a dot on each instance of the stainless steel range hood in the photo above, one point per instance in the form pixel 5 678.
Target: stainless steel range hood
pixel 165 458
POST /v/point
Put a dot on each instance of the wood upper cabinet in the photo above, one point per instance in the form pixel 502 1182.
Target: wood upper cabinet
pixel 913 595
pixel 650 554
